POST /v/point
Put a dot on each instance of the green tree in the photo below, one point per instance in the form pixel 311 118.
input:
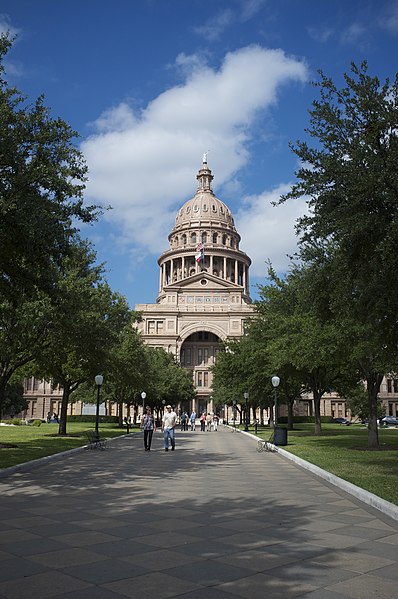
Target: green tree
pixel 42 178
pixel 89 318
pixel 14 401
pixel 305 343
pixel 349 180
pixel 128 368
pixel 167 380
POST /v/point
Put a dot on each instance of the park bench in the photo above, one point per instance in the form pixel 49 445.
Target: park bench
pixel 95 441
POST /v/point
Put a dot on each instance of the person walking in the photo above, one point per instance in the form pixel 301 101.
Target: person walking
pixel 215 422
pixel 184 421
pixel 168 426
pixel 209 420
pixel 149 426
pixel 192 420
pixel 202 422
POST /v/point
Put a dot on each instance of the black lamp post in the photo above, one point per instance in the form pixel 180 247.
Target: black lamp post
pixel 99 379
pixel 246 396
pixel 234 413
pixel 143 395
pixel 275 383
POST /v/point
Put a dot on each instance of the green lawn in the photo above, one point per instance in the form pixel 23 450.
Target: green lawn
pixel 34 442
pixel 342 450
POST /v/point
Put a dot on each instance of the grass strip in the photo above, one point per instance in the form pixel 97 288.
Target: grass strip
pixel 28 443
pixel 342 450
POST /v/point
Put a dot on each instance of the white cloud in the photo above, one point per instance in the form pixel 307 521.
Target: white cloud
pixel 5 26
pixel 267 231
pixel 213 29
pixel 144 164
pixel 389 20
pixel 353 34
pixel 320 34
pixel 242 11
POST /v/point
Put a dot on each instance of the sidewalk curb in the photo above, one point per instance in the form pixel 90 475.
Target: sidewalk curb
pixel 387 508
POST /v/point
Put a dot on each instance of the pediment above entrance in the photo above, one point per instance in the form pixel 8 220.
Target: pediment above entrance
pixel 203 281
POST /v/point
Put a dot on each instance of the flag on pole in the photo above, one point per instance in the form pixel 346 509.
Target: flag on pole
pixel 200 253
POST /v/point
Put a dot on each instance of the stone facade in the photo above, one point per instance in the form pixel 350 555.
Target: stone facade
pixel 203 288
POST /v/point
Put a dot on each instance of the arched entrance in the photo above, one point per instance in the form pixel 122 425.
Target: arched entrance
pixel 198 353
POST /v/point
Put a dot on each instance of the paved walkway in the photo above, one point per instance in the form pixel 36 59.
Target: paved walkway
pixel 212 520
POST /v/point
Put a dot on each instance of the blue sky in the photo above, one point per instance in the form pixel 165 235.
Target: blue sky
pixel 150 85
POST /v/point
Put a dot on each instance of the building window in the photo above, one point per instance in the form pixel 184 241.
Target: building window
pixel 199 379
pixel 389 386
pixel 395 385
pixel 205 379
pixel 214 237
pixel 205 355
pixel 200 356
pixel 159 327
pixel 184 239
pixel 193 238
pixel 35 384
pixel 204 237
pixel 151 327
pixel 188 355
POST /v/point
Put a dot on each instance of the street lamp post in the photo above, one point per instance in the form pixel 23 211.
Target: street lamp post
pixel 275 383
pixel 99 379
pixel 246 396
pixel 143 395
pixel 234 413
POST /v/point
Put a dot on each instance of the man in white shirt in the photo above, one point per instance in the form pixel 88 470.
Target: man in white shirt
pixel 168 425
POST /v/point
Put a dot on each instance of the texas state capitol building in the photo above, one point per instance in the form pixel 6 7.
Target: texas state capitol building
pixel 203 288
pixel 203 299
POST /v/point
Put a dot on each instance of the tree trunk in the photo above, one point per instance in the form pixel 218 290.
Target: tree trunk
pixel 373 383
pixel 120 412
pixel 290 414
pixel 317 409
pixel 64 408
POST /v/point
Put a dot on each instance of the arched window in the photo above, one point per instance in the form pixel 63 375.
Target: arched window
pixel 184 239
pixel 204 237
pixel 224 240
pixel 193 238
pixel 215 237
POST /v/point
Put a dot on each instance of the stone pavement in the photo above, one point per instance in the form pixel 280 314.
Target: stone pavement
pixel 212 520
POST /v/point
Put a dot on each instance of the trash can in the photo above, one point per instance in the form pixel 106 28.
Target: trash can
pixel 280 436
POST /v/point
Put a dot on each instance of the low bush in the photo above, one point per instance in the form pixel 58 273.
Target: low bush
pixel 91 418
pixel 36 423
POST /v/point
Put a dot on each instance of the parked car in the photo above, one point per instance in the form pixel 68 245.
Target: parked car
pixel 341 421
pixel 389 421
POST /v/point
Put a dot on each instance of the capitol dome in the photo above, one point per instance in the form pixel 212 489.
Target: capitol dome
pixel 204 209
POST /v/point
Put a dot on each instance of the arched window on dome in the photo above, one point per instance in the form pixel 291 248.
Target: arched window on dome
pixel 232 242
pixel 193 238
pixel 184 239
pixel 215 237
pixel 224 240
pixel 214 208
pixel 204 237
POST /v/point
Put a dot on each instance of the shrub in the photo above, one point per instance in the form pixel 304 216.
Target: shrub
pixel 91 418
pixel 36 423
